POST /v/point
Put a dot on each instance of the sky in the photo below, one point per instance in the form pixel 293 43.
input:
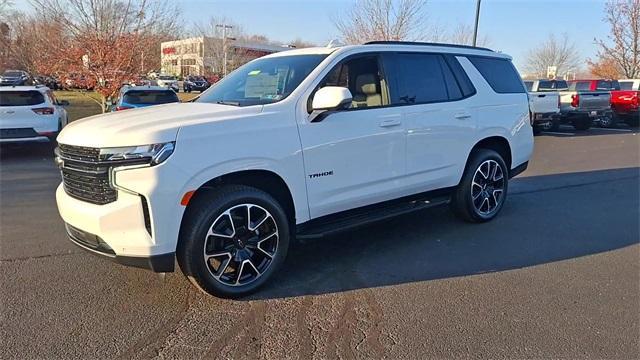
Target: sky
pixel 512 26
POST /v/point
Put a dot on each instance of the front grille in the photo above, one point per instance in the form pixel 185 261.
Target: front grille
pixel 84 176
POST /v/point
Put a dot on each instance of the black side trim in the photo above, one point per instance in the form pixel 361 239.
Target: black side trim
pixel 362 216
pixel 518 170
pixel 145 213
pixel 156 263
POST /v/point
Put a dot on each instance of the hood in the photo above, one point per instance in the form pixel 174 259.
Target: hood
pixel 149 125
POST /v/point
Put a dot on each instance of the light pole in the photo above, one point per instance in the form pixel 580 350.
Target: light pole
pixel 224 46
pixel 475 30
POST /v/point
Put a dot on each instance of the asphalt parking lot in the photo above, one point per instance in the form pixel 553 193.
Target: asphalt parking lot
pixel 556 275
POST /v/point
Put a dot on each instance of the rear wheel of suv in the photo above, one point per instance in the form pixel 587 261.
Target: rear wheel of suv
pixel 233 239
pixel 483 189
pixel 581 124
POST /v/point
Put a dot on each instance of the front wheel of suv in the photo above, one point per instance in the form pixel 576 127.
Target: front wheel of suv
pixel 233 239
pixel 483 189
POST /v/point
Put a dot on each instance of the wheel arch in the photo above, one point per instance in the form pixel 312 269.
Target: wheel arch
pixel 265 180
pixel 498 144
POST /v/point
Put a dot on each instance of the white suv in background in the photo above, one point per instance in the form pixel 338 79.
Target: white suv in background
pixel 294 145
pixel 30 114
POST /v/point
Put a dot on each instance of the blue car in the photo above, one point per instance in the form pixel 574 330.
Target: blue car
pixel 132 97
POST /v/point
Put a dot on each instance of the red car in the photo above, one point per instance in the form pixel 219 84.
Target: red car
pixel 624 102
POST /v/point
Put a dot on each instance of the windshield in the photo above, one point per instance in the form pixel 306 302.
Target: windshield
pixel 150 97
pixel 262 81
pixel 167 78
pixel 12 74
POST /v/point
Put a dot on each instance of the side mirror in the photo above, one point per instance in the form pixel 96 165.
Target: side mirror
pixel 331 98
pixel 63 102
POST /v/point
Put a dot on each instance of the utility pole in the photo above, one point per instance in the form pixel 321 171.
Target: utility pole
pixel 475 30
pixel 224 46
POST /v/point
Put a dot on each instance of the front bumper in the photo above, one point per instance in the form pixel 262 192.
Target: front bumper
pixel 95 245
pixel 24 140
pixel 142 223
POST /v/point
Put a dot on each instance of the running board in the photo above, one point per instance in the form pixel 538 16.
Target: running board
pixel 351 219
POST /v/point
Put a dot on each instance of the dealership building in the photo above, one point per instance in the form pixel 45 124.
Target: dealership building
pixel 203 55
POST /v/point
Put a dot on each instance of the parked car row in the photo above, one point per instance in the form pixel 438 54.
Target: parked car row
pixel 582 103
pixel 30 114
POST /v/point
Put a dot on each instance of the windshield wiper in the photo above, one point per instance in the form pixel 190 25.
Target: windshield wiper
pixel 232 103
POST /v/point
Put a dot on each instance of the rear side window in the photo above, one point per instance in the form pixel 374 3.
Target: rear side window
pixel 418 78
pixel 20 98
pixel 499 73
pixel 561 85
pixel 150 97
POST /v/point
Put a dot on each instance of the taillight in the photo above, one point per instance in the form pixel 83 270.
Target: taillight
pixel 43 111
pixel 118 108
pixel 575 100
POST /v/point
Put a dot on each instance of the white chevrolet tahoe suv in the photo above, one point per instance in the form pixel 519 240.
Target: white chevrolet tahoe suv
pixel 294 145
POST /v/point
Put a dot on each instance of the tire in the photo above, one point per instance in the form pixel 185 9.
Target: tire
pixel 207 230
pixel 608 121
pixel 582 124
pixel 537 130
pixel 471 192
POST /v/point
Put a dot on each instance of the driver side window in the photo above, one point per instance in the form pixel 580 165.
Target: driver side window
pixel 362 77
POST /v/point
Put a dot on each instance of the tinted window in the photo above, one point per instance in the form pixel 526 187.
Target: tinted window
pixel 626 85
pixel 12 74
pixel 262 81
pixel 546 85
pixel 465 84
pixel 580 85
pixel 499 73
pixel 561 85
pixel 419 79
pixel 528 85
pixel 167 77
pixel 20 98
pixel 150 97
pixel 607 85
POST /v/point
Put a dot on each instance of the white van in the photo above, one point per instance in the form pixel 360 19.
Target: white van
pixel 295 145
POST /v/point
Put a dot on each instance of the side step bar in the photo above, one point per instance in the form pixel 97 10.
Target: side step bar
pixel 351 219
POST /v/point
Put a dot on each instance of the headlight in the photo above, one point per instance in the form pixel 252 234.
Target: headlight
pixel 153 154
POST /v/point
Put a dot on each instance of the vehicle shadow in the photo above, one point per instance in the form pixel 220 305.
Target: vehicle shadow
pixel 569 131
pixel 546 219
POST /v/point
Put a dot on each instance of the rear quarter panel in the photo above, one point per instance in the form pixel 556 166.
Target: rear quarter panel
pixel 502 115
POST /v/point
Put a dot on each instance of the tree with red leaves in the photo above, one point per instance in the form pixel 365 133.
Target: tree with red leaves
pixel 99 44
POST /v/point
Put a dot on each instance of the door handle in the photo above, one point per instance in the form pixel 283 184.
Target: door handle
pixel 389 123
pixel 462 116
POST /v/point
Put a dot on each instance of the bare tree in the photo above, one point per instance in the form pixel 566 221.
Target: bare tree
pixel 561 53
pixel 99 43
pixel 369 20
pixel 623 17
pixel 215 41
pixel 463 34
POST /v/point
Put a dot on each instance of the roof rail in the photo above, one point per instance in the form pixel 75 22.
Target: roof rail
pixel 380 42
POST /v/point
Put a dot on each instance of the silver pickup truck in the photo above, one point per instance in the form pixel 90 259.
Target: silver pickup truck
pixel 579 107
pixel 582 107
